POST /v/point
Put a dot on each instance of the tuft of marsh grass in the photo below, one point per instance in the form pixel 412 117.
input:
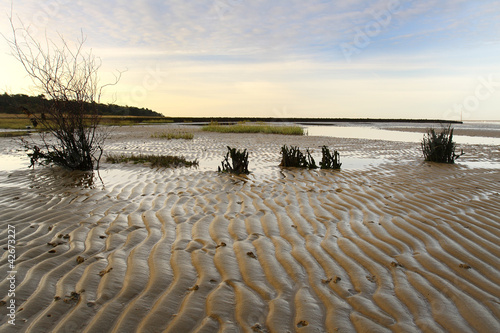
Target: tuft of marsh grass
pixel 329 160
pixel 13 134
pixel 439 147
pixel 156 161
pixel 173 135
pixel 238 164
pixel 157 121
pixel 254 128
pixel 20 122
pixel 293 157
pixel 14 121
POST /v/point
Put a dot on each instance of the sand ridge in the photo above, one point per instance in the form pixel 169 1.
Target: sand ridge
pixel 402 246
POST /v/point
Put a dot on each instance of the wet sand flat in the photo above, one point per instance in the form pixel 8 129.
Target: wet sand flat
pixel 396 245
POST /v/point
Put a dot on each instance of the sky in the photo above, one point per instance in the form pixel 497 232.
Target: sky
pixel 425 59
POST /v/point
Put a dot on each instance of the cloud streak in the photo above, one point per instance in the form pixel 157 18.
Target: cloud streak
pixel 241 48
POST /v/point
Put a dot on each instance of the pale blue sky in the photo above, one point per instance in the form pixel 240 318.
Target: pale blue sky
pixel 379 59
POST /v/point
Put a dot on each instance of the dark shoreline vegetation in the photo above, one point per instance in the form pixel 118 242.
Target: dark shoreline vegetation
pixel 20 121
pixel 305 121
pixel 18 112
pixel 16 121
pixel 19 103
pixel 16 104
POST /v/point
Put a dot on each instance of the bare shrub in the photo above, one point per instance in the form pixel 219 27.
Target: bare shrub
pixel 68 78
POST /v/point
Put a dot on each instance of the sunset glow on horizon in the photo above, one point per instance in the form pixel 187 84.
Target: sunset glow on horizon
pixel 241 58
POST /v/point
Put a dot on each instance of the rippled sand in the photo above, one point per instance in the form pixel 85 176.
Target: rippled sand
pixel 395 245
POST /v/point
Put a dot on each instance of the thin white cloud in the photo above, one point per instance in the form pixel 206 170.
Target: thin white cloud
pixel 229 26
pixel 247 50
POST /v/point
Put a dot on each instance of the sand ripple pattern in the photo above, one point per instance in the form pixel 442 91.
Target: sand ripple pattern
pixel 402 247
pixel 384 249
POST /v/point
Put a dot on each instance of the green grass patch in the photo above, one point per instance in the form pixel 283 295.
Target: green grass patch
pixel 132 120
pixel 254 128
pixel 19 121
pixel 173 135
pixel 14 121
pixel 156 161
pixel 158 121
pixel 13 134
pixel 117 122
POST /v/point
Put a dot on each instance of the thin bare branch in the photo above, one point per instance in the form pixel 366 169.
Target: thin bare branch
pixel 69 78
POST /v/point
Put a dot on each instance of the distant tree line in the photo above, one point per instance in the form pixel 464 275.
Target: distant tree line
pixel 20 103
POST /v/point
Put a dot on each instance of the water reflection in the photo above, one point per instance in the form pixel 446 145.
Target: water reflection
pixel 10 162
pixel 479 164
pixel 53 178
pixel 371 132
pixel 362 132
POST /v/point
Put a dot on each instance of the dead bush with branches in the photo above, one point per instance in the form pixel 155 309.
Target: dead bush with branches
pixel 68 77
